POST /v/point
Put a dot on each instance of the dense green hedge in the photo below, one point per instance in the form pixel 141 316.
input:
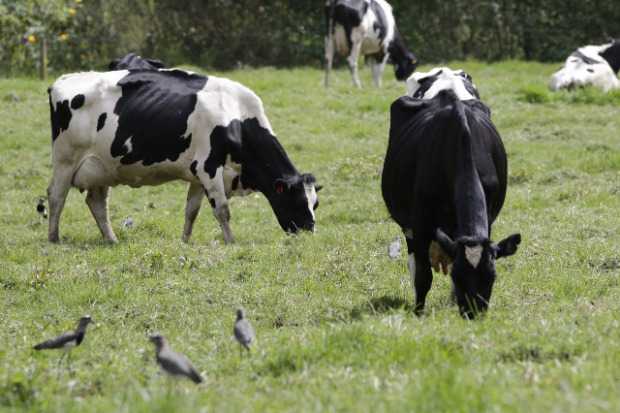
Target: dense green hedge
pixel 228 33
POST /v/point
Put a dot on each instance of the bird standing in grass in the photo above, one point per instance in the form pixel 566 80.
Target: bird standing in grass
pixel 175 364
pixel 244 333
pixel 67 340
pixel 41 208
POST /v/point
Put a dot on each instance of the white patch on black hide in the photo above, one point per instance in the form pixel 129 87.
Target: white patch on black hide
pixel 473 255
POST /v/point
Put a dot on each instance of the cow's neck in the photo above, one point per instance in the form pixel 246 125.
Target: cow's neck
pixel 263 160
pixel 470 201
pixel 398 49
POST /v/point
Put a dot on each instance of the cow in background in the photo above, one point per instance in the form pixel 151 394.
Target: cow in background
pixel 590 65
pixel 145 125
pixel 366 27
pixel 444 181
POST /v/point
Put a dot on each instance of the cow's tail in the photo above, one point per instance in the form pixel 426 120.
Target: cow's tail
pixel 449 98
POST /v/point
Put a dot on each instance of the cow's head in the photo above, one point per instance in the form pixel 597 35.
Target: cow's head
pixel 426 85
pixel 294 199
pixel 404 61
pixel 473 270
pixel 405 67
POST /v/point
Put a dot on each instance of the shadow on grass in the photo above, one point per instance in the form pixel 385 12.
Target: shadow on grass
pixel 537 354
pixel 380 305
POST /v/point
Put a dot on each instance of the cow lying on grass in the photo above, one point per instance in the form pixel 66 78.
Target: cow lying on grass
pixel 145 125
pixel 590 65
pixel 444 181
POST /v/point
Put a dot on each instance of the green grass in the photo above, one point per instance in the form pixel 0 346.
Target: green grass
pixel 537 93
pixel 331 310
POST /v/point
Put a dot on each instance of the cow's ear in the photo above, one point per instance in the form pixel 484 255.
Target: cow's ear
pixel 507 246
pixel 308 179
pixel 113 64
pixel 317 188
pixel 446 243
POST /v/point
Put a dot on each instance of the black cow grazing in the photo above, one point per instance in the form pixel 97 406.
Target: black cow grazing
pixel 444 181
pixel 145 126
pixel 590 65
pixel 366 27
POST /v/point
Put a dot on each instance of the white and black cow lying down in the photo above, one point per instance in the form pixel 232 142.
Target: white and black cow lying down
pixel 590 65
pixel 147 126
pixel 366 27
pixel 444 181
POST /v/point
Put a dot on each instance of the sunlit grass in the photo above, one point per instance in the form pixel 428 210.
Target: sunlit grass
pixel 332 311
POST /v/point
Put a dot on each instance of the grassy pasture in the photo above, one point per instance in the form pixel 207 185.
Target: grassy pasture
pixel 331 310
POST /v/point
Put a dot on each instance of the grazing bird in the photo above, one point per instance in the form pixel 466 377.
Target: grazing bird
pixel 173 363
pixel 41 209
pixel 69 339
pixel 244 333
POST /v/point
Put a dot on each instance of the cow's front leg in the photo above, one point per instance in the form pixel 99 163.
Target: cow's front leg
pixel 377 71
pixel 222 214
pixel 420 269
pixel 57 194
pixel 192 207
pixel 353 60
pixel 97 201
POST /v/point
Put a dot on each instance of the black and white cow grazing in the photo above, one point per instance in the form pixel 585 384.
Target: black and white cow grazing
pixel 590 65
pixel 146 127
pixel 444 181
pixel 366 27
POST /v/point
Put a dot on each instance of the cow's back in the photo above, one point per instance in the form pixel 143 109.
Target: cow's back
pixel 419 172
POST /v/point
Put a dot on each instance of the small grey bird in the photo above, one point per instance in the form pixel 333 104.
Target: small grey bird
pixel 66 341
pixel 175 364
pixel 394 248
pixel 244 333
pixel 69 339
pixel 41 208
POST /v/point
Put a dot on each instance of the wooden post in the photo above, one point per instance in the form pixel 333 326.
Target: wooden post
pixel 43 63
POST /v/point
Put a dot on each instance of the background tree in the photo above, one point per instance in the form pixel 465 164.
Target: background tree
pixel 231 33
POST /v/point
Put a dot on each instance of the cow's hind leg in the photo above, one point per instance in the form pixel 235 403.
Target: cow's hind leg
pixel 420 269
pixel 97 201
pixel 192 207
pixel 57 194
